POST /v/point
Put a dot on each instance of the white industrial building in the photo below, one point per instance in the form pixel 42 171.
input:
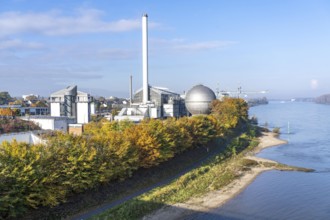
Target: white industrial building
pixel 67 108
pixel 71 103
pixel 163 102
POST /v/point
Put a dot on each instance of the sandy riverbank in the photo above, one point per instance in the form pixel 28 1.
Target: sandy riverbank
pixel 217 198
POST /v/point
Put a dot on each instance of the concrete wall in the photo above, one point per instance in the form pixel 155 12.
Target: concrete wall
pixel 44 123
pixel 35 139
pixel 27 137
pixel 61 125
pixel 53 123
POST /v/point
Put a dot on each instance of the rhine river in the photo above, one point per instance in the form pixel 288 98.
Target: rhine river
pixel 288 195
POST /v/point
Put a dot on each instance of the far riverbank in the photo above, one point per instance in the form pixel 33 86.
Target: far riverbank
pixel 215 199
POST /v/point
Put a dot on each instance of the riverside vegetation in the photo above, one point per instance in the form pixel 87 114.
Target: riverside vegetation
pixel 34 176
pixel 215 173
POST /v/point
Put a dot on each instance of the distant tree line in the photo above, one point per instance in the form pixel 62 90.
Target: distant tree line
pixel 45 175
pixel 323 99
pixel 30 101
pixel 5 98
pixel 8 125
pixel 257 101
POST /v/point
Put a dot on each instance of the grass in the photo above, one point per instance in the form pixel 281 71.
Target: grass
pixel 217 172
pixel 284 167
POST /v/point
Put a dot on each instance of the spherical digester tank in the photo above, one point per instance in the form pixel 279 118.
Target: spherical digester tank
pixel 198 100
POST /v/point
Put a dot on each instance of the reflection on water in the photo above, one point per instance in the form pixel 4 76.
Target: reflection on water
pixel 288 195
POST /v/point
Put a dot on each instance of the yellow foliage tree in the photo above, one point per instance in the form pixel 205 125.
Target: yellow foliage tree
pixel 6 112
pixel 230 112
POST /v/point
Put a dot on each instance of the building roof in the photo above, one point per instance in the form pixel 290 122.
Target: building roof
pixel 70 90
pixel 79 93
pixel 10 106
pixel 160 90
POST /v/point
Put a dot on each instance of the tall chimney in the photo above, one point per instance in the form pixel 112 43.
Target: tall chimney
pixel 145 58
pixel 130 90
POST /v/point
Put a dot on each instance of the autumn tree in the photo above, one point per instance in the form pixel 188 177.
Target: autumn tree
pixel 41 104
pixel 180 133
pixel 230 112
pixel 5 98
pixel 6 112
pixel 151 145
pixel 18 102
pixel 24 179
pixel 203 130
pixel 31 98
pixel 8 125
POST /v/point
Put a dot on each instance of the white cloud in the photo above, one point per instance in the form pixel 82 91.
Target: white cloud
pixel 121 54
pixel 166 42
pixel 56 23
pixel 205 45
pixel 314 84
pixel 183 45
pixel 19 44
pixel 87 52
pixel 53 72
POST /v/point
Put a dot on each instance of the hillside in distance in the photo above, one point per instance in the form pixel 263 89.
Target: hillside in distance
pixel 323 99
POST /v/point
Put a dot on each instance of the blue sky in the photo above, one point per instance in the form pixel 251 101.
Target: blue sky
pixel 276 45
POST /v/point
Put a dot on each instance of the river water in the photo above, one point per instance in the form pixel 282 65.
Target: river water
pixel 288 195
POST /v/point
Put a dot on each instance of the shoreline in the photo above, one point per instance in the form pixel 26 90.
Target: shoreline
pixel 267 140
pixel 215 199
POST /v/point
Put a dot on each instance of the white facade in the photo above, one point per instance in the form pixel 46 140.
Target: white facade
pixel 155 112
pixel 139 113
pixel 55 109
pixel 92 106
pixel 83 112
pixel 171 110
